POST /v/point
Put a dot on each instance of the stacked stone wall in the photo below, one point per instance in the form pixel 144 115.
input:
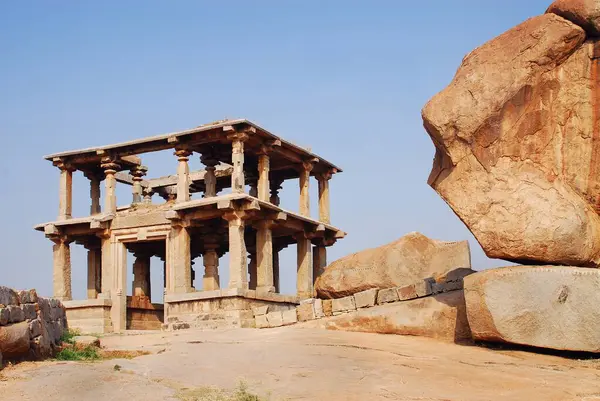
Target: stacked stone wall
pixel 30 326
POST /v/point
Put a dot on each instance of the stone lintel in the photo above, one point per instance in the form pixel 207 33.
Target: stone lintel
pixel 228 293
pixel 86 303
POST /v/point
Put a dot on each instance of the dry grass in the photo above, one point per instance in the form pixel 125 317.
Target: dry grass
pixel 241 393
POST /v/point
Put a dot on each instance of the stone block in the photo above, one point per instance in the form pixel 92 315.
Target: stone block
pixel 261 322
pixel 261 310
pixel 289 317
pixel 307 301
pixel 423 288
pixel 275 319
pixel 438 288
pixel 345 304
pixel 407 292
pixel 28 296
pixel 305 312
pixel 35 328
pixel 4 316
pixel 29 311
pixel 82 342
pixel 14 340
pixel 180 326
pixel 318 307
pixel 44 309
pixel 8 296
pixel 387 295
pixel 366 299
pixel 16 314
pixel 328 307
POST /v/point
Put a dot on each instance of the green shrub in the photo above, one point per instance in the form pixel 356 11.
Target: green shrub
pixel 67 336
pixel 88 353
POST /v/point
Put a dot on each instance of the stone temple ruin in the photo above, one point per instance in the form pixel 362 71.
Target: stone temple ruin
pixel 247 163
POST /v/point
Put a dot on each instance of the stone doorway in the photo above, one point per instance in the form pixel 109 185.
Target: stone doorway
pixel 142 313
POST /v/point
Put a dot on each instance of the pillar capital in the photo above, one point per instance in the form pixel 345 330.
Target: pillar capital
pixel 238 136
pixel 182 153
pixel 309 165
pixel 268 147
pixel 61 239
pixel 237 215
pixel 138 172
pixel 110 165
pixel 264 224
pixel 326 176
pixel 63 165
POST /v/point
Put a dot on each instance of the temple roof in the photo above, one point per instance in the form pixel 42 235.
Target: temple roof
pixel 208 134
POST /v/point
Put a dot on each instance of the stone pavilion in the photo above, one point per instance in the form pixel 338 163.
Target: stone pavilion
pixel 235 209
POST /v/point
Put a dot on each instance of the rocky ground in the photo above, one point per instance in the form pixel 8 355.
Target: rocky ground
pixel 298 363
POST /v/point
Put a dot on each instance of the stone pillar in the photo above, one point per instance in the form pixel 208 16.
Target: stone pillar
pixel 137 172
pixel 253 183
pixel 275 186
pixel 305 273
pixel 238 275
pixel 65 191
pixel 304 188
pixel 141 277
pixel 237 159
pixel 210 258
pixel 107 265
pixel 94 277
pixel 252 270
pixel 110 183
pixel 183 175
pixel 94 193
pixel 147 192
pixel 264 254
pixel 319 261
pixel 181 259
pixel 263 176
pixel 62 268
pixel 210 179
pixel 324 211
pixel 276 271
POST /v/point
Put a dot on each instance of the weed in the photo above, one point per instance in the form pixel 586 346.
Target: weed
pixel 67 336
pixel 89 353
pixel 241 393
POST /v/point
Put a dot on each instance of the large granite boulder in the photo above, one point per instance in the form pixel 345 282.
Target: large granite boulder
pixel 8 296
pixel 585 13
pixel 518 145
pixel 543 306
pixel 442 317
pixel 406 261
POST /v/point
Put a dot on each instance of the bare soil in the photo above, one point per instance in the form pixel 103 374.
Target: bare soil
pixel 294 363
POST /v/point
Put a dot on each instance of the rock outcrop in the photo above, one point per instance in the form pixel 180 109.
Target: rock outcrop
pixel 442 317
pixel 517 136
pixel 547 306
pixel 30 326
pixel 403 262
pixel 585 13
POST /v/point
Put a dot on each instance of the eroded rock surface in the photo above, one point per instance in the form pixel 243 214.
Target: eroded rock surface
pixel 548 306
pixel 585 13
pixel 403 262
pixel 517 142
pixel 442 317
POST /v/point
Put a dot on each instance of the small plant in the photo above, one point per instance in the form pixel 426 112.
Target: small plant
pixel 241 393
pixel 67 336
pixel 70 353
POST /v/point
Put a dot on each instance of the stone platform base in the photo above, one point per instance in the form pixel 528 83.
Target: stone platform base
pixel 541 306
pixel 144 315
pixel 221 308
pixel 89 316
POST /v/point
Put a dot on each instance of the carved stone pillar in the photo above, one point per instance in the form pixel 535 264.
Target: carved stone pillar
pixel 253 183
pixel 264 256
pixel 304 188
pixel 210 179
pixel 237 159
pixel 180 259
pixel 147 192
pixel 319 260
pixel 65 190
pixel 61 267
pixel 141 276
pixel 110 197
pixel 94 267
pixel 94 193
pixel 305 272
pixel 138 172
pixel 275 186
pixel 252 270
pixel 238 275
pixel 324 211
pixel 107 266
pixel 183 175
pixel 263 174
pixel 276 283
pixel 210 258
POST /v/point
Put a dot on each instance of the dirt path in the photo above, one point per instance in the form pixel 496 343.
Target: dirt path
pixel 307 364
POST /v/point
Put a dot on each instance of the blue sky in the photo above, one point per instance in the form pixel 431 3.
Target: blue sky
pixel 347 78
